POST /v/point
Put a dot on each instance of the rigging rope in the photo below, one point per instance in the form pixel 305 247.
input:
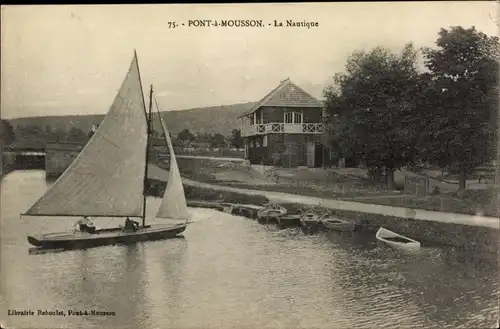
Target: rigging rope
pixel 108 223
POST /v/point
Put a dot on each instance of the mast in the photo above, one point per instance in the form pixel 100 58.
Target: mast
pixel 149 117
pixel 148 124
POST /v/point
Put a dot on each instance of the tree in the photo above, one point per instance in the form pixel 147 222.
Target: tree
pixel 48 131
pixel 76 136
pixel 217 140
pixel 186 137
pixel 237 140
pixel 371 110
pixel 49 134
pixel 203 137
pixel 464 69
pixel 7 133
pixel 59 135
pixel 31 131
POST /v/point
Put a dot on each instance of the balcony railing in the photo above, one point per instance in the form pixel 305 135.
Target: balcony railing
pixel 284 128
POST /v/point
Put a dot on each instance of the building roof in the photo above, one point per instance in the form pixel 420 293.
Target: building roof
pixel 286 94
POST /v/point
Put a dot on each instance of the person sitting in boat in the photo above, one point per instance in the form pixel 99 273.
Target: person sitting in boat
pixel 85 225
pixel 130 225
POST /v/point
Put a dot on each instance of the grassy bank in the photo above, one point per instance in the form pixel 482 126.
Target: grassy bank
pixel 157 188
pixel 331 193
pixel 471 203
pixel 216 172
pixel 212 171
pixel 428 232
pixel 340 187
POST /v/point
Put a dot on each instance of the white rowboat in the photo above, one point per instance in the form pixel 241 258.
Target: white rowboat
pixel 395 240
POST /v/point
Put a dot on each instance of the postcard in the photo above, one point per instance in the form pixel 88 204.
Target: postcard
pixel 260 165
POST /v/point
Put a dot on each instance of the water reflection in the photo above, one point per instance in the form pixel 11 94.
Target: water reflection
pixel 166 269
pixel 233 272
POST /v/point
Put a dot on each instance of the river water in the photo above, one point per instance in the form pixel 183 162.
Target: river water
pixel 231 272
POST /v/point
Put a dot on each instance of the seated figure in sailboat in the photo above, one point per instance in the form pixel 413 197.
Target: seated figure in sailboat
pixel 130 225
pixel 85 225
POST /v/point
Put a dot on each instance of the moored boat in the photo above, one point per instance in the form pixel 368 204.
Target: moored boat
pixel 109 177
pixel 309 217
pixel 246 210
pixel 289 220
pixel 396 240
pixel 338 224
pixel 271 212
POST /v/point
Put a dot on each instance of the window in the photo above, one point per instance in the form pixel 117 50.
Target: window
pixel 297 117
pixel 293 117
pixel 264 141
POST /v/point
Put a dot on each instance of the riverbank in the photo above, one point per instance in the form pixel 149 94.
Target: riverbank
pixel 471 202
pixel 341 185
pixel 462 231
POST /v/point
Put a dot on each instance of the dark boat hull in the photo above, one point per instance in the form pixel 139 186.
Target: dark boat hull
pixel 338 225
pixel 289 221
pixel 105 237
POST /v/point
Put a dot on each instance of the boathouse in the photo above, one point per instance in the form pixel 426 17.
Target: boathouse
pixel 284 128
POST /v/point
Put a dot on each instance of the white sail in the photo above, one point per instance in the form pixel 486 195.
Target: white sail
pixel 173 205
pixel 107 177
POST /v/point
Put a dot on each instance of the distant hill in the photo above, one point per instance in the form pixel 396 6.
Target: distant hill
pixel 216 119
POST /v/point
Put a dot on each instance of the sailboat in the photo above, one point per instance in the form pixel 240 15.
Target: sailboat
pixel 108 179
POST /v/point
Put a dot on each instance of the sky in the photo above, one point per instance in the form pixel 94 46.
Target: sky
pixel 59 60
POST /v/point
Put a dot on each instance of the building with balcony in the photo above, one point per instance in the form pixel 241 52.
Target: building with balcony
pixel 285 128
